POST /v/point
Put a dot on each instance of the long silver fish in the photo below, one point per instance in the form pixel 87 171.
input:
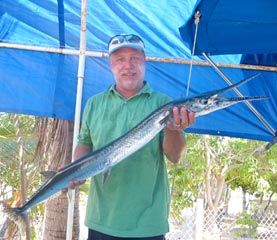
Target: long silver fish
pixel 102 160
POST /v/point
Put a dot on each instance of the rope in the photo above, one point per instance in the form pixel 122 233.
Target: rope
pixel 197 16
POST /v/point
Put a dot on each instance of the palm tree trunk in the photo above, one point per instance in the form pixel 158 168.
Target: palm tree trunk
pixel 55 219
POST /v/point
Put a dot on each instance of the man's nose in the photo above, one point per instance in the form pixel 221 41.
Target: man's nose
pixel 129 63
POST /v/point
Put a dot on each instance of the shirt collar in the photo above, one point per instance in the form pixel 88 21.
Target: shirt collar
pixel 145 90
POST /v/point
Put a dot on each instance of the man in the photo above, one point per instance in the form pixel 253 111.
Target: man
pixel 133 203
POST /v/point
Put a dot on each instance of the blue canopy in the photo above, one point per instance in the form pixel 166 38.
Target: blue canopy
pixel 230 27
pixel 40 41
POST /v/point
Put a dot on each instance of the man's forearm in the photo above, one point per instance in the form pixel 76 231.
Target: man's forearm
pixel 174 144
pixel 81 150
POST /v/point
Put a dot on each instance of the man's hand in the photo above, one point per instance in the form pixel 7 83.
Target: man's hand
pixel 174 141
pixel 76 183
pixel 182 119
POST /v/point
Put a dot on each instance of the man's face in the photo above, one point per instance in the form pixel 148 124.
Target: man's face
pixel 128 67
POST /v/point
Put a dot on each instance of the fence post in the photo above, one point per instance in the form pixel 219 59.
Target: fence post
pixel 199 219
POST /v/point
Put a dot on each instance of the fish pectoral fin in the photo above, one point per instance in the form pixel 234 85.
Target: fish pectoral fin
pixel 166 119
pixel 47 174
pixel 106 175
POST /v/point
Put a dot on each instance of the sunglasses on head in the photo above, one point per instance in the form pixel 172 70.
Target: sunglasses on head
pixel 130 38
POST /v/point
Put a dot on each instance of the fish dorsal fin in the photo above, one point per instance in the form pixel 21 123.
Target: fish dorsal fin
pixel 106 175
pixel 48 174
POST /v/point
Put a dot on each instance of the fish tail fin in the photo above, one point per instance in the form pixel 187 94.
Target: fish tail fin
pixel 18 216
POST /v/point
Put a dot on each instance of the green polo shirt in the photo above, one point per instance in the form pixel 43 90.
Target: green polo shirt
pixel 134 201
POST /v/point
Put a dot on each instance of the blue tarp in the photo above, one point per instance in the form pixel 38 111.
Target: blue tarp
pixel 44 83
pixel 230 27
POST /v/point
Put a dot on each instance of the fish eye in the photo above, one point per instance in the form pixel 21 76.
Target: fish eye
pixel 204 101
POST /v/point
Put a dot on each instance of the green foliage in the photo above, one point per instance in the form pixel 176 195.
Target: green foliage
pixel 84 188
pixel 248 225
pixel 10 181
pixel 253 169
pixel 187 177
pixel 248 167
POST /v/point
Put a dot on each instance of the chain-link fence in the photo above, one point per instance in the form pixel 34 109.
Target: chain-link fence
pixel 200 224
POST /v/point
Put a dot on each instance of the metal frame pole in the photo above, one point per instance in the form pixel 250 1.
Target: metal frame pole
pixel 77 119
